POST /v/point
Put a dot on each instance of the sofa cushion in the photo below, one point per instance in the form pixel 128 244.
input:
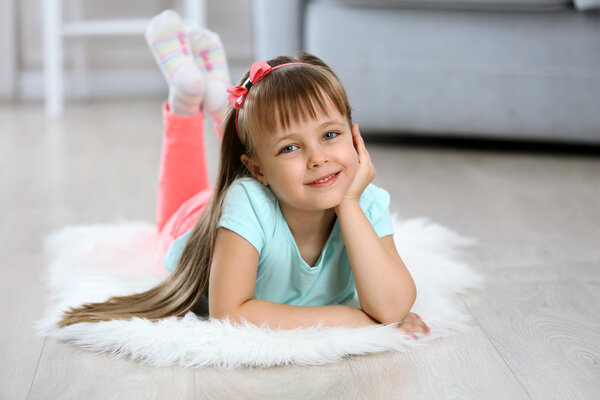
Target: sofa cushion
pixel 502 74
pixel 508 5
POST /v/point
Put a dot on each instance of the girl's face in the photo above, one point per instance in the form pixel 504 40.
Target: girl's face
pixel 311 165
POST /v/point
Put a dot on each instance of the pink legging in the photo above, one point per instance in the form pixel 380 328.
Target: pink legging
pixel 183 185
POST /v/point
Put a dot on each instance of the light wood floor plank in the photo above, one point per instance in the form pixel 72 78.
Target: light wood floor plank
pixel 463 366
pixel 546 324
pixel 331 381
pixel 20 349
pixel 68 372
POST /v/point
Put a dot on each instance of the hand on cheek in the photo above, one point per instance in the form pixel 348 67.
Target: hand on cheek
pixel 366 171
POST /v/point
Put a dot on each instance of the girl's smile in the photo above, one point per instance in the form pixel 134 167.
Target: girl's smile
pixel 325 181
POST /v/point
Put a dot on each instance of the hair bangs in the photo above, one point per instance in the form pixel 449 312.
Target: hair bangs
pixel 292 95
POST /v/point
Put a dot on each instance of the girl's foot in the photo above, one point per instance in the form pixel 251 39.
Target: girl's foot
pixel 171 49
pixel 210 59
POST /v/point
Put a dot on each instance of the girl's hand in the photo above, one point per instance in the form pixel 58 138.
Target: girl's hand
pixel 412 324
pixel 366 170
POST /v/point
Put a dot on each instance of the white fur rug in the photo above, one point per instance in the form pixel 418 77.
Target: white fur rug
pixel 90 263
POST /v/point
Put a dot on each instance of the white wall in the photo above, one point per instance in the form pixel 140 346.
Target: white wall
pixel 118 66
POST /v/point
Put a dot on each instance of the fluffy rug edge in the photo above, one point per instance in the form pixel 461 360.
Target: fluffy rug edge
pixel 430 251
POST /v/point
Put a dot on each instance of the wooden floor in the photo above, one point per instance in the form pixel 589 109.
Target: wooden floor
pixel 536 329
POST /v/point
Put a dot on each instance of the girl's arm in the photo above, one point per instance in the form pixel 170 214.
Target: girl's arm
pixel 285 316
pixel 386 290
pixel 231 291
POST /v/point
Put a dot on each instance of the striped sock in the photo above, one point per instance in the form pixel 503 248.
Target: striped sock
pixel 210 58
pixel 171 49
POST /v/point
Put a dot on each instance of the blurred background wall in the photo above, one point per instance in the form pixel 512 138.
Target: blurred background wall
pixel 115 66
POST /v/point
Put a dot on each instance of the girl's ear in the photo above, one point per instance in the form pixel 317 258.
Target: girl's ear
pixel 255 169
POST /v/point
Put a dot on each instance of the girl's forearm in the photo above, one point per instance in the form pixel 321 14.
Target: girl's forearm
pixel 285 316
pixel 385 287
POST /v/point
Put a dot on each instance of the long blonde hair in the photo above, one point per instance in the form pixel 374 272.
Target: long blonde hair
pixel 280 99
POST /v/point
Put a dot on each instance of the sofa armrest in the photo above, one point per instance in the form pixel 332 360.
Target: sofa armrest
pixel 584 5
pixel 276 27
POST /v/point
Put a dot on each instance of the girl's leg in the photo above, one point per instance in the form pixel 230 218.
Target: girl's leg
pixel 183 168
pixel 183 186
pixel 209 57
pixel 183 189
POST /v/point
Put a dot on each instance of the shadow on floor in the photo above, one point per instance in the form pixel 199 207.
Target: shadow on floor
pixel 484 144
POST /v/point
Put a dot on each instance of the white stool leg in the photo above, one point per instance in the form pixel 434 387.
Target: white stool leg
pixel 195 13
pixel 80 65
pixel 53 58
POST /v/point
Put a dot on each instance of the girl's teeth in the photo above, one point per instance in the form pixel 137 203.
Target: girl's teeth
pixel 325 179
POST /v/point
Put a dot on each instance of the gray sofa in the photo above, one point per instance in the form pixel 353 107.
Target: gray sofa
pixel 503 69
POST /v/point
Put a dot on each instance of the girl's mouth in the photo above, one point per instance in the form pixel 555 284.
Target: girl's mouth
pixel 326 181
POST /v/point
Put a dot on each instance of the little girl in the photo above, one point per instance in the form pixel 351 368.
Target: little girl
pixel 293 234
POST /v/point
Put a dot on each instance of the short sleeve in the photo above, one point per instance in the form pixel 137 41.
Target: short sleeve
pixel 375 203
pixel 175 250
pixel 245 211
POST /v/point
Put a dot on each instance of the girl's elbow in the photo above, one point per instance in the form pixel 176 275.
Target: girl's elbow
pixel 232 318
pixel 413 298
pixel 233 314
pixel 411 303
pixel 401 309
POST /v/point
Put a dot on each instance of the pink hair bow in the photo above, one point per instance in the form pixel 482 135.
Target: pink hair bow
pixel 237 94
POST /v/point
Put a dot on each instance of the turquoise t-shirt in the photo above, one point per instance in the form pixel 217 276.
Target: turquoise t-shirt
pixel 252 211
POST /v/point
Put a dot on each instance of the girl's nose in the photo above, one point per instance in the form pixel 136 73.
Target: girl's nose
pixel 317 158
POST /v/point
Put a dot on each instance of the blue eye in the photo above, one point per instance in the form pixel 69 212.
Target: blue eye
pixel 288 149
pixel 330 135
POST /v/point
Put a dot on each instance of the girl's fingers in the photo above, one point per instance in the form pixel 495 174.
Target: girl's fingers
pixel 354 131
pixel 409 333
pixel 410 328
pixel 360 147
pixel 360 140
pixel 356 134
pixel 422 324
pixel 364 159
pixel 355 140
